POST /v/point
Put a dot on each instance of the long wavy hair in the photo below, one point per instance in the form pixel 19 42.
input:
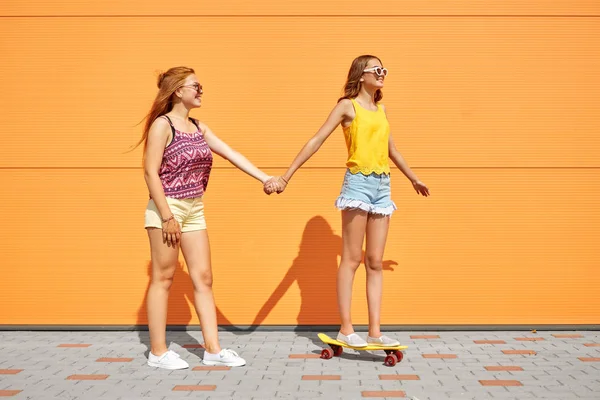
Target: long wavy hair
pixel 168 83
pixel 352 86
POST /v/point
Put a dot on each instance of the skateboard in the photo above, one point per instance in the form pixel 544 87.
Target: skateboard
pixel 394 353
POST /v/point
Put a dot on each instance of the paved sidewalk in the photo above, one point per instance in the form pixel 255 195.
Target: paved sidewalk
pixel 286 365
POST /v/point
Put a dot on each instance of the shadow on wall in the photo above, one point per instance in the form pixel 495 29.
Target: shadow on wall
pixel 315 272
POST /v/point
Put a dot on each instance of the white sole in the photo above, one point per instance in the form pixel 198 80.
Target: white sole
pixel 354 345
pixel 384 345
pixel 219 364
pixel 159 365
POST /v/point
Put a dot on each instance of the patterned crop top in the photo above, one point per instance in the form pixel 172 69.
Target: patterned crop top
pixel 186 164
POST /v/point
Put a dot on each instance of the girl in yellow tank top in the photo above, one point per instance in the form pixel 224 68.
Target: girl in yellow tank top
pixel 365 197
pixel 367 141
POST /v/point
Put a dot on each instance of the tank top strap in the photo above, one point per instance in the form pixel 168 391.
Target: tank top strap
pixel 170 123
pixel 361 110
pixel 195 122
pixel 168 120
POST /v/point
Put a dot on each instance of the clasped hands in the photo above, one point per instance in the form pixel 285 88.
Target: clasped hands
pixel 275 184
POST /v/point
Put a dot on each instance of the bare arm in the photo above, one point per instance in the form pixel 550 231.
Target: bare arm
pixel 158 136
pixel 402 165
pixel 341 111
pixel 237 159
pixel 399 161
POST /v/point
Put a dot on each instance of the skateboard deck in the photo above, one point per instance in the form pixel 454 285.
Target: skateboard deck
pixel 394 353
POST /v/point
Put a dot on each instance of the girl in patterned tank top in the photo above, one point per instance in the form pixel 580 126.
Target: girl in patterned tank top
pixel 365 198
pixel 177 164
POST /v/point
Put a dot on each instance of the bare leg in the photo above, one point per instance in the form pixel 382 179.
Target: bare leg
pixel 164 263
pixel 196 251
pixel 377 231
pixel 354 223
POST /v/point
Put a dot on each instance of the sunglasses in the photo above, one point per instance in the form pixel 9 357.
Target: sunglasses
pixel 377 70
pixel 196 86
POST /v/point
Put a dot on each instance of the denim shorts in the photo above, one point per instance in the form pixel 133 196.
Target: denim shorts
pixel 371 193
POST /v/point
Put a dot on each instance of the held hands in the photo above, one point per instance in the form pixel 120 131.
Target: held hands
pixel 275 184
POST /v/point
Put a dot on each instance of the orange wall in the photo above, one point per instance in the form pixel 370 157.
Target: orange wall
pixel 496 107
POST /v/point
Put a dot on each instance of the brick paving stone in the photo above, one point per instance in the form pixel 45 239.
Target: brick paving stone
pixel 557 370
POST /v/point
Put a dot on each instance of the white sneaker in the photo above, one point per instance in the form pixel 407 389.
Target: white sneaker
pixel 169 360
pixel 352 340
pixel 225 357
pixel 382 341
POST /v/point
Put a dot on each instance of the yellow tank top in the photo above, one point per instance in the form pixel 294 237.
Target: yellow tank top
pixel 367 141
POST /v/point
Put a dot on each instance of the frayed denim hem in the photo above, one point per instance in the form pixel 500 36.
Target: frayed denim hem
pixel 343 203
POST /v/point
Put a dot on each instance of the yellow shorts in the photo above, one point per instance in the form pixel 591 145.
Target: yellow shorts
pixel 188 212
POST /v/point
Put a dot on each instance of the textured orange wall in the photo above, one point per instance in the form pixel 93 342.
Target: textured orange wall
pixel 495 106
